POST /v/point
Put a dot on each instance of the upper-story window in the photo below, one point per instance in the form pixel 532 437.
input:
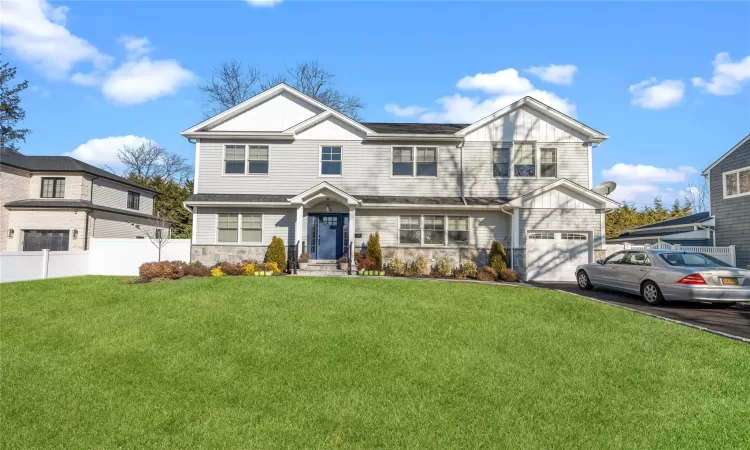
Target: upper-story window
pixel 257 159
pixel 524 164
pixel 548 165
pixel 330 161
pixel 234 159
pixel 406 164
pixel 501 162
pixel 53 188
pixel 737 183
pixel 134 200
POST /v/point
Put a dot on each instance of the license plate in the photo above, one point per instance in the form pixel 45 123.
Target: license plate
pixel 732 281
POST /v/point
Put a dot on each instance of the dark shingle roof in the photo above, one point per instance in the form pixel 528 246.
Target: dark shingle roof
pixel 415 128
pixel 389 200
pixel 61 164
pixel 687 220
pixel 72 204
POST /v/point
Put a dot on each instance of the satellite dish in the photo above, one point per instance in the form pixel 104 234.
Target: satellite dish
pixel 605 188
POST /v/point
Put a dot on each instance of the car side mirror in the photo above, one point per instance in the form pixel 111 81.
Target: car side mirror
pixel 600 261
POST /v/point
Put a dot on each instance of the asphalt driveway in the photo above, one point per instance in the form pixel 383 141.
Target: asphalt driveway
pixel 734 320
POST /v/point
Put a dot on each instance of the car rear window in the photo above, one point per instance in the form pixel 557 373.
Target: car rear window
pixel 692 260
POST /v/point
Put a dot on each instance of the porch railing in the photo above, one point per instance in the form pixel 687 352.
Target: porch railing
pixel 293 258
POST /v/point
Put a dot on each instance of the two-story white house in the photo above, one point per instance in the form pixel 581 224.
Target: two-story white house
pixel 283 164
pixel 60 203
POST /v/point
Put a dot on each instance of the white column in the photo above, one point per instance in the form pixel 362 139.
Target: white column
pixel 298 230
pixel 352 218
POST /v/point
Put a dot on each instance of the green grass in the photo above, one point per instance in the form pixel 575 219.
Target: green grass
pixel 355 363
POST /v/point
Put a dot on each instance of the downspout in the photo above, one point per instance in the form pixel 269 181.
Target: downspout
pixel 460 146
pixel 512 249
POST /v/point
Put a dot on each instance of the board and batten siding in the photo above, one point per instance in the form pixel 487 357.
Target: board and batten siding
pixel 560 219
pixel 732 214
pixel 525 124
pixel 276 222
pixel 115 195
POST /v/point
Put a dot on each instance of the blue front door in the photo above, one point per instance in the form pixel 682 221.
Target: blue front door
pixel 326 232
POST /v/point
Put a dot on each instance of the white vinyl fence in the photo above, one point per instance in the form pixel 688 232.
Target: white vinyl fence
pixel 105 257
pixel 726 254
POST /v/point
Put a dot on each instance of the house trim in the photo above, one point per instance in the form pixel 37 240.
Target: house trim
pixel 607 202
pixel 722 157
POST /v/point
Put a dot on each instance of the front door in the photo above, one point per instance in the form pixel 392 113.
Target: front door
pixel 326 233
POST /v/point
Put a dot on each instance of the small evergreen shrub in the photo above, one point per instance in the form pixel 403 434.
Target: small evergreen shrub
pixel 470 269
pixel 509 275
pixel 277 253
pixel 443 268
pixel 373 250
pixel 498 258
pixel 396 267
pixel 419 267
pixel 232 269
pixel 487 273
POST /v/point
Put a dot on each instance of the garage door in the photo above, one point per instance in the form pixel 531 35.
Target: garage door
pixel 54 240
pixel 554 255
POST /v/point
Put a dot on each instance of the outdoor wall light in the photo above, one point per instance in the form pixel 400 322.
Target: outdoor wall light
pixel 75 234
pixel 328 205
pixel 10 233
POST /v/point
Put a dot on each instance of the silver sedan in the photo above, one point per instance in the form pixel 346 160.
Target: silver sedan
pixel 658 275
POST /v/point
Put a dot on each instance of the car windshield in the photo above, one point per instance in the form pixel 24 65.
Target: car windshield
pixel 692 260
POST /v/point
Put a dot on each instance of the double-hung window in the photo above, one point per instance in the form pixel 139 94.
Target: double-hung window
pixel 501 162
pixel 234 159
pixel 737 183
pixel 524 164
pixel 548 164
pixel 257 159
pixel 434 230
pixel 134 200
pixel 252 228
pixel 53 188
pixel 403 161
pixel 246 227
pixel 410 230
pixel 426 161
pixel 458 230
pixel 227 228
pixel 330 161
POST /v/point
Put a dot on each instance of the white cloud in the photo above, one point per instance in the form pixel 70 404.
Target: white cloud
pixel 652 94
pixel 505 81
pixel 729 76
pixel 140 81
pixel 497 90
pixel 263 3
pixel 87 79
pixel 555 73
pixel 35 31
pixel 640 183
pixel 44 92
pixel 406 111
pixel 136 46
pixel 104 150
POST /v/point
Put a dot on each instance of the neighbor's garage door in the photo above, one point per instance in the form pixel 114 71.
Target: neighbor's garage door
pixel 554 255
pixel 54 240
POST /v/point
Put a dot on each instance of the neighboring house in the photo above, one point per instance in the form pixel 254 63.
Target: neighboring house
pixel 59 203
pixel 283 164
pixel 693 230
pixel 729 204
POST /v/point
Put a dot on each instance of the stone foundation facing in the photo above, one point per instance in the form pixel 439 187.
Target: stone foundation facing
pixel 210 254
pixel 455 256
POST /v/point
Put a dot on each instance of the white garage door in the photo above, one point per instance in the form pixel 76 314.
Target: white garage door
pixel 554 255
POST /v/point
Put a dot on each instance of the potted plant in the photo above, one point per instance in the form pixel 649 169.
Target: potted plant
pixel 344 263
pixel 304 259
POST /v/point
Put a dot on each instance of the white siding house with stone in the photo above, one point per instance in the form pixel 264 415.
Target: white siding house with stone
pixel 283 164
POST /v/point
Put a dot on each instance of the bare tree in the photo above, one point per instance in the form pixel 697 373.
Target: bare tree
pixel 157 230
pixel 697 196
pixel 230 85
pixel 149 160
pixel 313 80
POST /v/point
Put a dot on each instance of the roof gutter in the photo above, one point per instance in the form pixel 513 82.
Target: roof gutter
pixel 239 135
pixel 414 137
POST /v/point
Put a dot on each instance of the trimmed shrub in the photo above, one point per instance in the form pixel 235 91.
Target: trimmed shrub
pixel 443 268
pixel 373 250
pixel 509 275
pixel 232 269
pixel 470 269
pixel 197 269
pixel 396 267
pixel 216 272
pixel 249 269
pixel 164 269
pixel 419 267
pixel 277 253
pixel 498 258
pixel 487 273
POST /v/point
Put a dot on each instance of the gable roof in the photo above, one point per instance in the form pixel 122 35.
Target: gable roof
pixel 61 164
pixel 592 134
pixel 267 95
pixel 738 145
pixel 606 202
pixel 686 220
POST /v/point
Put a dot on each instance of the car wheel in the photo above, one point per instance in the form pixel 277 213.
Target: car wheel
pixel 651 294
pixel 583 281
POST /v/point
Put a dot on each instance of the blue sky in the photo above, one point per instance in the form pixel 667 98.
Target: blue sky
pixel 669 82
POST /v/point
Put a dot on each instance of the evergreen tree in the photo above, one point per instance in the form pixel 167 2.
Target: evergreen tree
pixel 373 250
pixel 10 111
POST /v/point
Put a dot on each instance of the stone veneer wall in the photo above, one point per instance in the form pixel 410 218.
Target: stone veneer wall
pixel 210 254
pixel 455 256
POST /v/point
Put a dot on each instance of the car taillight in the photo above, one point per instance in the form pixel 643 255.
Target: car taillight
pixel 695 278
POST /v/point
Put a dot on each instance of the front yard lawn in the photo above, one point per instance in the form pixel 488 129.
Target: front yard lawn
pixel 293 362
